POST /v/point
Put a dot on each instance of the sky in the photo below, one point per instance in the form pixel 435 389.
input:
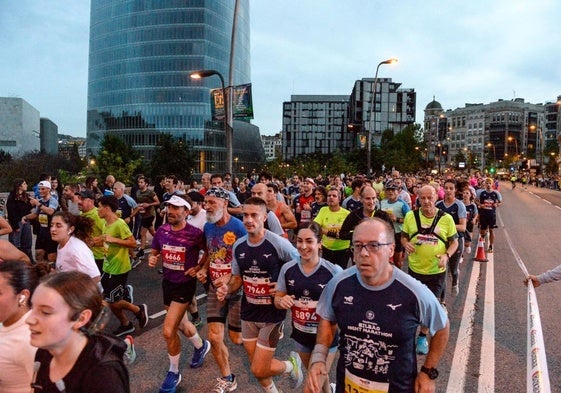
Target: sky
pixel 456 51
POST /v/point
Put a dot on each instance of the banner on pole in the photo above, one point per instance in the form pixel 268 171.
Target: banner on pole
pixel 242 103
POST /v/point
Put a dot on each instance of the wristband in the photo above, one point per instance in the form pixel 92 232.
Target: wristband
pixel 319 354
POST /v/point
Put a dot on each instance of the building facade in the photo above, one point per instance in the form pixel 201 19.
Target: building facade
pixel 393 109
pixel 272 145
pixel 315 124
pixel 501 132
pixel 20 126
pixel 141 55
pixel 49 136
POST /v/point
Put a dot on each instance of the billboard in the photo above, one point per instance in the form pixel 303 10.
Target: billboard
pixel 242 104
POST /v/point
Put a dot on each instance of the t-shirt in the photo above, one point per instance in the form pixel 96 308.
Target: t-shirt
pixel 44 219
pixel 397 209
pixel 378 327
pixel 179 250
pixel 76 256
pixel 220 242
pixel 99 224
pixel 117 259
pixel 16 357
pixel 487 199
pixel 146 196
pixel 424 260
pixel 198 220
pixel 126 206
pixel 259 266
pixel 306 289
pixel 457 210
pixel 332 221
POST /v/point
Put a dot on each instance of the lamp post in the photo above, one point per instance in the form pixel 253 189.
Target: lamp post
pixel 494 151
pixel 372 115
pixel 200 74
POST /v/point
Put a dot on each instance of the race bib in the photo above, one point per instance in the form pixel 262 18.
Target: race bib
pixel 217 270
pixel 173 257
pixel 304 316
pixel 256 290
pixel 355 384
pixel 305 215
pixel 43 220
pixel 430 240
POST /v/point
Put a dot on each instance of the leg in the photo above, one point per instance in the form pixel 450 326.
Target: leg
pixel 174 316
pixel 219 348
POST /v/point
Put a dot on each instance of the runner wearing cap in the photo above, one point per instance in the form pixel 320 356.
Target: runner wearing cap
pixel 178 243
pixel 44 208
pixel 221 232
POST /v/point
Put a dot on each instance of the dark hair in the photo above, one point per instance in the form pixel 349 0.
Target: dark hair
pixel 273 186
pixel 315 228
pixel 265 175
pixel 173 178
pixel 83 226
pixel 21 276
pixel 24 196
pixel 216 176
pixel 78 290
pixel 111 201
pixel 256 201
pixel 356 183
pixel 322 190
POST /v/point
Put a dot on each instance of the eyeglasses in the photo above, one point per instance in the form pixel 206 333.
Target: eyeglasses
pixel 371 247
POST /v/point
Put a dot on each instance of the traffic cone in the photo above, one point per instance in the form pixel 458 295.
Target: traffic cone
pixel 480 254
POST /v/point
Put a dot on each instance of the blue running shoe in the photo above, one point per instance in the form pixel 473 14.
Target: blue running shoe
pixel 170 383
pixel 199 355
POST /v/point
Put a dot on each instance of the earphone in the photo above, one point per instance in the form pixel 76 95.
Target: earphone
pixel 22 298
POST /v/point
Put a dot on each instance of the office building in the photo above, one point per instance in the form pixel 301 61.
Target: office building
pixel 272 145
pixel 49 136
pixel 141 54
pixel 20 126
pixel 393 109
pixel 502 132
pixel 315 124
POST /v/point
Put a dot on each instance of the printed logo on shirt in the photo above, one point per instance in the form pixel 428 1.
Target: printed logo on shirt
pixel 348 300
pixel 393 306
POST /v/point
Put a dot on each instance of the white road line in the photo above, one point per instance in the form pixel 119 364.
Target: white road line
pixel 487 361
pixel 458 369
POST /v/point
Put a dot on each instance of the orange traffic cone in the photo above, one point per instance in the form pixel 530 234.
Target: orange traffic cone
pixel 480 254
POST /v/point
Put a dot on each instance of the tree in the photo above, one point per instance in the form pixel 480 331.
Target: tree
pixel 173 156
pixel 116 158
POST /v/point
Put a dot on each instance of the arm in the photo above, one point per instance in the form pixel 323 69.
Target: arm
pixel 231 287
pixel 437 346
pixel 9 252
pixel 317 368
pixel 5 227
pixel 289 219
pixel 129 242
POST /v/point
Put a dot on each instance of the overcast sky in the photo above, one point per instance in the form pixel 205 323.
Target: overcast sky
pixel 458 51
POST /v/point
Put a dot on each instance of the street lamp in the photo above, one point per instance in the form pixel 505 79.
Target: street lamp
pixel 494 151
pixel 372 114
pixel 228 119
pixel 510 139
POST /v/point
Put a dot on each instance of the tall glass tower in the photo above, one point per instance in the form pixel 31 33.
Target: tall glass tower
pixel 141 54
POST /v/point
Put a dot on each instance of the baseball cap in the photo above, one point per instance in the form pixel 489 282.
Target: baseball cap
pixel 196 196
pixel 218 192
pixel 45 184
pixel 87 194
pixel 178 201
pixel 390 186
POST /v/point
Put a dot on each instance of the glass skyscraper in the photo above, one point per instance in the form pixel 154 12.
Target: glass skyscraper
pixel 141 54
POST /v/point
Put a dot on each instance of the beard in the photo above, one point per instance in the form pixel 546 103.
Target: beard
pixel 214 218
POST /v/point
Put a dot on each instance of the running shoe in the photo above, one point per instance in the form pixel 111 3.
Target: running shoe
pixel 455 290
pixel 170 383
pixel 123 330
pixel 130 354
pixel 142 315
pixel 200 354
pixel 295 375
pixel 224 386
pixel 422 345
pixel 136 261
pixel 197 322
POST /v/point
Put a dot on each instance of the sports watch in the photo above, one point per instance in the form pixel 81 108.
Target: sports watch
pixel 431 372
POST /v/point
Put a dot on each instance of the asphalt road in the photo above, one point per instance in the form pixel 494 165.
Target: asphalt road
pixel 487 347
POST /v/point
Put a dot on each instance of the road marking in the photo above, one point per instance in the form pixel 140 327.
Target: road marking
pixel 487 360
pixel 458 369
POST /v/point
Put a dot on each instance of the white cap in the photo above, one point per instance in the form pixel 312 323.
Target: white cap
pixel 45 184
pixel 178 201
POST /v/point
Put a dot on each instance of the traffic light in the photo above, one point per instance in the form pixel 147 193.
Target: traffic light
pixel 492 171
